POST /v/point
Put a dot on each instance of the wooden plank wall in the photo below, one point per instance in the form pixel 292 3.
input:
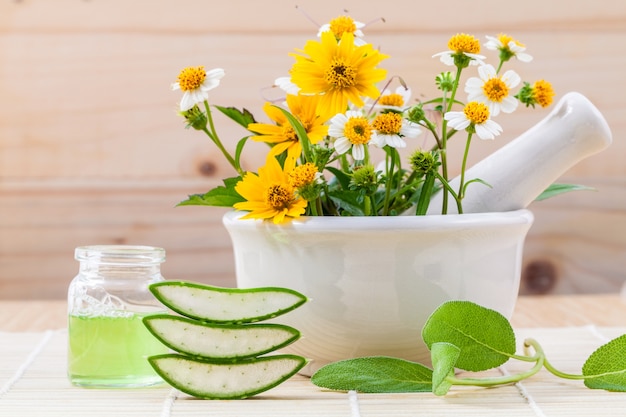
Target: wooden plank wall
pixel 92 151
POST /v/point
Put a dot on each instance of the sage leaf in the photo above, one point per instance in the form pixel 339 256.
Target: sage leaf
pixel 556 189
pixel 606 367
pixel 374 374
pixel 484 336
pixel 444 356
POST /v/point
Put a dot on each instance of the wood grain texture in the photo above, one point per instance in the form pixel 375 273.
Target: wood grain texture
pixel 91 149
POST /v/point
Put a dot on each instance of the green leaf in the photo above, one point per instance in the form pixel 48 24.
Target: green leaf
pixel 484 336
pixel 444 356
pixel 349 201
pixel 301 132
pixel 606 367
pixel 221 196
pixel 242 117
pixel 425 194
pixel 556 189
pixel 342 178
pixel 374 374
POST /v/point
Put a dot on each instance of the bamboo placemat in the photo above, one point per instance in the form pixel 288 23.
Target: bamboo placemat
pixel 33 383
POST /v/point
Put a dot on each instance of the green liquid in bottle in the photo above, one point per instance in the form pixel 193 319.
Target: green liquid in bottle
pixel 107 351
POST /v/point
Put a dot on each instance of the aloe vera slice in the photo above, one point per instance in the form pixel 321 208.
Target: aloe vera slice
pixel 218 380
pixel 226 305
pixel 219 341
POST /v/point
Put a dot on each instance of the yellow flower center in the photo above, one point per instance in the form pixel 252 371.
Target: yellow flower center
pixel 278 196
pixel 505 39
pixel 341 25
pixel 495 90
pixel 388 123
pixel 462 42
pixel 357 130
pixel 543 93
pixel 289 134
pixel 340 75
pixel 477 113
pixel 395 100
pixel 191 78
pixel 302 175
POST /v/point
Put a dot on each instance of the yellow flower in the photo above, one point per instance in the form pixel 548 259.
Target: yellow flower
pixel 340 71
pixel 282 135
pixel 269 195
pixel 543 93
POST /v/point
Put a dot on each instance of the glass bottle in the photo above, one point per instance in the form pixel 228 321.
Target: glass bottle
pixel 108 344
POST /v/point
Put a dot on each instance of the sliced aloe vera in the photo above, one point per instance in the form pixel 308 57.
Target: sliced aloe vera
pixel 218 380
pixel 219 341
pixel 226 305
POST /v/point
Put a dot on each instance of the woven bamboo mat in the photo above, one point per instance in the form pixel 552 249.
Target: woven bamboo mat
pixel 33 383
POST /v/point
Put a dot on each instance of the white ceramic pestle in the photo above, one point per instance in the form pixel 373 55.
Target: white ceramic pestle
pixel 521 170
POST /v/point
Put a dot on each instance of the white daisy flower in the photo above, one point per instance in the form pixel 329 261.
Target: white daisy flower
pixel 475 115
pixel 343 24
pixel 397 101
pixel 352 131
pixel 493 90
pixel 509 46
pixel 195 83
pixel 459 45
pixel 391 128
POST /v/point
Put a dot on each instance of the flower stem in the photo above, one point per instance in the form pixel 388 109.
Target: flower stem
pixel 212 133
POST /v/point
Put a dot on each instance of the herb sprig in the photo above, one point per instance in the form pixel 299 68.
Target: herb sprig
pixel 464 335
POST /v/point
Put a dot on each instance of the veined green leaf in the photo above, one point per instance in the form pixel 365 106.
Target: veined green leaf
pixel 242 117
pixel 606 367
pixel 484 336
pixel 374 374
pixel 221 196
pixel 348 201
pixel 556 189
pixel 444 356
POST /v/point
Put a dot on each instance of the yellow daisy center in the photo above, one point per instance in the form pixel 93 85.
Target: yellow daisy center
pixel 278 196
pixel 302 175
pixel 476 113
pixel 462 42
pixel 388 123
pixel 495 90
pixel 543 93
pixel 395 100
pixel 341 25
pixel 357 130
pixel 505 39
pixel 191 78
pixel 340 75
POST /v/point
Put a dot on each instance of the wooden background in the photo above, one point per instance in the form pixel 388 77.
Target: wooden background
pixel 92 151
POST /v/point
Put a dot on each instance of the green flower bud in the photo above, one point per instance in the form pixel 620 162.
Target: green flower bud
pixel 445 81
pixel 195 118
pixel 416 114
pixel 423 162
pixel 364 178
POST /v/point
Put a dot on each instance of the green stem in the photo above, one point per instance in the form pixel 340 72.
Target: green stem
pixel 388 184
pixel 539 358
pixel 447 106
pixel 461 192
pixel 212 133
pixel 560 374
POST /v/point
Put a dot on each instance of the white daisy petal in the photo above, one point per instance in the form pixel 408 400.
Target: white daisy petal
pixel 509 104
pixel 342 145
pixel 358 151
